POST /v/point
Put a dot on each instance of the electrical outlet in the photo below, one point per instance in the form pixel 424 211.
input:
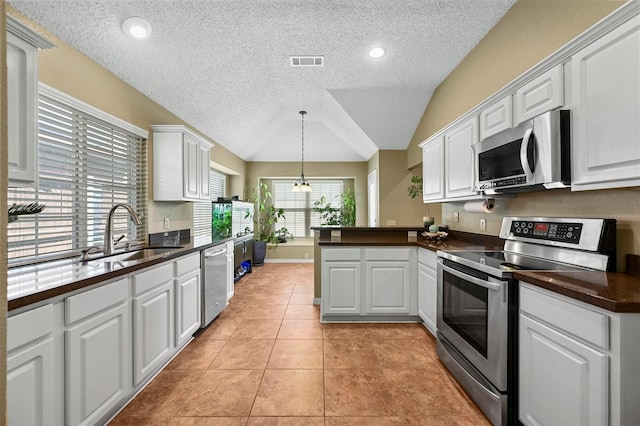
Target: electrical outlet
pixel 166 223
pixel 456 217
pixel 306 255
pixel 483 224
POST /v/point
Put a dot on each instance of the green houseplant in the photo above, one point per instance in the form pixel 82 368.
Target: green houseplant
pixel 334 216
pixel 348 208
pixel 265 217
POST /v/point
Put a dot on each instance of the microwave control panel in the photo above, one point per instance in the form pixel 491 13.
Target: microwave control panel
pixel 553 231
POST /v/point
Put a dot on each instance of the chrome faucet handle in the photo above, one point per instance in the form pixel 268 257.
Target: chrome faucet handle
pixel 87 251
pixel 117 240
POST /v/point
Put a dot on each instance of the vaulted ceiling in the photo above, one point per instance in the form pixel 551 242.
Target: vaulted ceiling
pixel 223 65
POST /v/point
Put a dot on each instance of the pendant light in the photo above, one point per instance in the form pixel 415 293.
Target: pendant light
pixel 302 185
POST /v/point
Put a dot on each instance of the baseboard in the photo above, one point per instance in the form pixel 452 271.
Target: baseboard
pixel 288 260
pixel 317 301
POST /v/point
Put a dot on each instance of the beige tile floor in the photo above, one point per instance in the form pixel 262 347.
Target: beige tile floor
pixel 267 360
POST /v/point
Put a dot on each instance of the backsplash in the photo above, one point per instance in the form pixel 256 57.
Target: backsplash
pixel 169 238
pixel 622 205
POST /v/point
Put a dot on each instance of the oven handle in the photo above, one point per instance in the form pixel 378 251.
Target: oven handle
pixel 524 160
pixel 474 280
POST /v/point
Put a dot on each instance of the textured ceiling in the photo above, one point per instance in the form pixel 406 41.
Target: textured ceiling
pixel 223 65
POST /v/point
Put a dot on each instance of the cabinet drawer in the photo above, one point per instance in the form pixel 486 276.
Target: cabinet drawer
pixel 591 326
pixel 388 254
pixel 428 258
pixel 90 302
pixel 152 277
pixel 28 326
pixel 341 254
pixel 187 264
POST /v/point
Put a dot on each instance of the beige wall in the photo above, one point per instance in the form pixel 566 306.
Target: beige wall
pixel 69 71
pixel 3 217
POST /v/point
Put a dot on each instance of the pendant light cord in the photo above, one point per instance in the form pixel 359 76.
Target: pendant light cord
pixel 302 113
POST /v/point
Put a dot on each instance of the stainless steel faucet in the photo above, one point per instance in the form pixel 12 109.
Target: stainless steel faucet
pixel 107 247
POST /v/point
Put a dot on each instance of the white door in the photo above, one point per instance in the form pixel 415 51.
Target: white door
pixel 562 381
pixel 606 139
pixel 459 160
pixel 372 184
pixel 388 288
pixel 30 384
pixel 341 288
pixel 153 330
pixel 191 178
pixel 427 296
pixel 187 307
pixel 98 365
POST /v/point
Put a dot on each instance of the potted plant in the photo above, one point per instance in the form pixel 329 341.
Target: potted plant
pixel 415 188
pixel 333 216
pixel 283 235
pixel 264 218
pixel 329 215
pixel 348 208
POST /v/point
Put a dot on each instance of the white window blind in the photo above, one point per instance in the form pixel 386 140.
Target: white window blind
pixel 298 206
pixel 202 210
pixel 86 165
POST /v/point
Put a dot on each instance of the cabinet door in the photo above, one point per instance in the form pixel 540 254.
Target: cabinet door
pixel 203 155
pixel 22 111
pixel 496 118
pixel 191 167
pixel 606 140
pixel 187 307
pixel 98 365
pixel 433 169
pixel 459 159
pixel 562 381
pixel 153 330
pixel 542 94
pixel 388 287
pixel 427 296
pixel 341 287
pixel 30 384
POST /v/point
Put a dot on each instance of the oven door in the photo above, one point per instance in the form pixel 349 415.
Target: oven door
pixel 473 317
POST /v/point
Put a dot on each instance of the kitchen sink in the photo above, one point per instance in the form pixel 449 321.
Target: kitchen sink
pixel 145 253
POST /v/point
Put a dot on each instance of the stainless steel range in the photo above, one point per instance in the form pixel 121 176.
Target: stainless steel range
pixel 477 315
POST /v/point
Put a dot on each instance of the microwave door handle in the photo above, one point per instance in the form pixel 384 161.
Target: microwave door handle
pixel 474 280
pixel 524 160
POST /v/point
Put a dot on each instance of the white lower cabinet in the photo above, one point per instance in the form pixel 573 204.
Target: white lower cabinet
pixel 572 357
pixel 97 352
pixel 188 286
pixel 154 323
pixel 342 287
pixel 33 384
pixel 389 287
pixel 427 288
pixel 368 281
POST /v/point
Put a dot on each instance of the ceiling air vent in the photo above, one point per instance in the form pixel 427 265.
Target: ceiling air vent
pixel 306 61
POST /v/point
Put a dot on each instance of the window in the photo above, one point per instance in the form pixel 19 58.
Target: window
pixel 298 206
pixel 88 161
pixel 202 210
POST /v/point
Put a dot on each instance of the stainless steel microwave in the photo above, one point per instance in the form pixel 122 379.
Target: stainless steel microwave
pixel 531 156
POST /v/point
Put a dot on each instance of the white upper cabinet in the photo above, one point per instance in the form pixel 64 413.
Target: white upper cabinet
pixel 543 93
pixel 459 161
pixel 180 164
pixel 22 102
pixel 496 118
pixel 433 169
pixel 606 125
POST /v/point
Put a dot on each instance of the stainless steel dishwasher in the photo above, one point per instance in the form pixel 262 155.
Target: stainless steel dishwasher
pixel 214 283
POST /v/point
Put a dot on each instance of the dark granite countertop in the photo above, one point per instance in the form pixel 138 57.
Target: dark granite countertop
pixel 41 281
pixel 614 292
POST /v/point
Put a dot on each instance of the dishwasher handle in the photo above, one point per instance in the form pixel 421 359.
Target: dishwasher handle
pixel 213 253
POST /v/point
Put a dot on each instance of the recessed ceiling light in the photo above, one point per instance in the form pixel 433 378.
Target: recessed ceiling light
pixel 136 27
pixel 376 52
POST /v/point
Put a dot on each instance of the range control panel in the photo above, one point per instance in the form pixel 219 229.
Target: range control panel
pixel 554 231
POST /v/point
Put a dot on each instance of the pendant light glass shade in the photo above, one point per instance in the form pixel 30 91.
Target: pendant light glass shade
pixel 302 185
